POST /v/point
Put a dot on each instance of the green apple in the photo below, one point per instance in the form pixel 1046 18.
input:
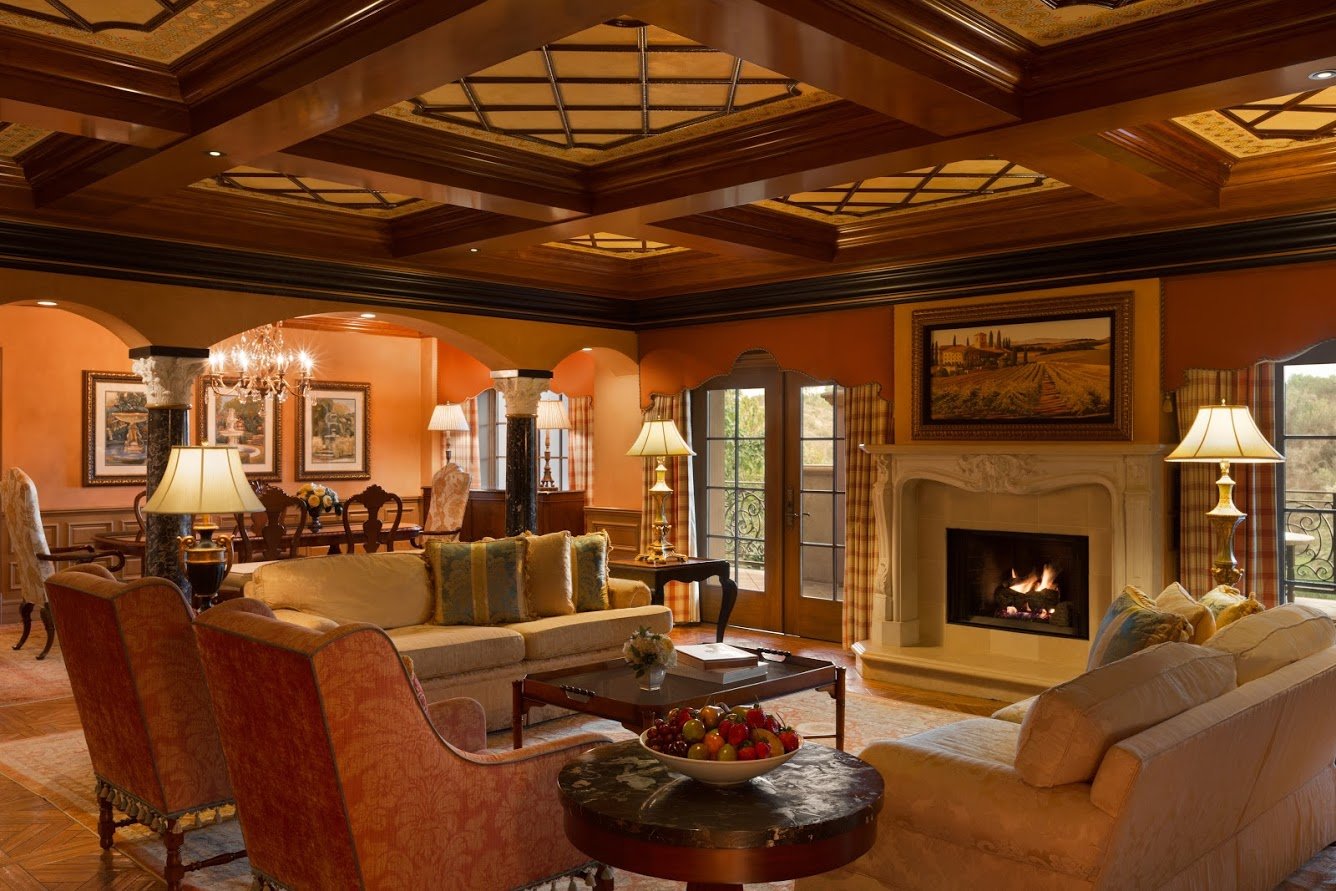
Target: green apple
pixel 726 753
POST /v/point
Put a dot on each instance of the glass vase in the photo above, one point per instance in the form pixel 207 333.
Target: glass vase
pixel 653 677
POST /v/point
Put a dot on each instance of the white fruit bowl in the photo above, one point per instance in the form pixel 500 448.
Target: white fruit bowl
pixel 719 773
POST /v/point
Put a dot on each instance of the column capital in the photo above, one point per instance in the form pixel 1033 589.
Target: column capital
pixel 170 379
pixel 522 387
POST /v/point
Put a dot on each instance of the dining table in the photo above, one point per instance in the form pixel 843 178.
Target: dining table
pixel 131 544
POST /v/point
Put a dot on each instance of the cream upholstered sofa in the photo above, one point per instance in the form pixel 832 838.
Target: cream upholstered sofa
pixel 393 590
pixel 1110 783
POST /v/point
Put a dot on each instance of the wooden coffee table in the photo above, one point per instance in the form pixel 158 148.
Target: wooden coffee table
pixel 610 690
pixel 810 815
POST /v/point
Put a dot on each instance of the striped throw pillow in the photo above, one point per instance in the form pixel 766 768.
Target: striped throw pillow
pixel 589 571
pixel 477 582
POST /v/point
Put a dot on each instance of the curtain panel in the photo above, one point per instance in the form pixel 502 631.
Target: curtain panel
pixel 466 447
pixel 581 411
pixel 1256 544
pixel 867 419
pixel 683 599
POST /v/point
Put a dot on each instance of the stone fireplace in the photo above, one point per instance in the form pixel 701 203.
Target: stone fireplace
pixel 1110 497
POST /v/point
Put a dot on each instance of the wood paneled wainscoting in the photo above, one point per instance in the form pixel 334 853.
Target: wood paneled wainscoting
pixel 66 528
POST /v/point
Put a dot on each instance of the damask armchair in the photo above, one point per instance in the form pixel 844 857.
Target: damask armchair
pixel 449 500
pixel 343 782
pixel 139 688
pixel 35 560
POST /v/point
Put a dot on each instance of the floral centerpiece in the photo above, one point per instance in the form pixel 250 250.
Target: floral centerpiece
pixel 651 655
pixel 319 499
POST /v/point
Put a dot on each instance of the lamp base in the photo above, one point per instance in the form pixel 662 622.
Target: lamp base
pixel 206 563
pixel 1225 518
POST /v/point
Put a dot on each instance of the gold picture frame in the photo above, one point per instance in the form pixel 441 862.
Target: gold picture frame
pixel 254 427
pixel 115 429
pixel 334 432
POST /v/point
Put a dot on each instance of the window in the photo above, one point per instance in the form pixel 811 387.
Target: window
pixel 492 443
pixel 1306 434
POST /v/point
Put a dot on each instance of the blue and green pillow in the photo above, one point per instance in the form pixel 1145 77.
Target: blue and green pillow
pixel 477 582
pixel 1133 623
pixel 589 571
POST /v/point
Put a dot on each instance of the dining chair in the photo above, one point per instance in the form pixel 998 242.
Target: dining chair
pixel 138 685
pixel 374 499
pixel 449 500
pixel 34 560
pixel 345 781
pixel 138 506
pixel 266 535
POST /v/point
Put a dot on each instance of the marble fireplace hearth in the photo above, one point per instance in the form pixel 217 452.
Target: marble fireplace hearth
pixel 1112 493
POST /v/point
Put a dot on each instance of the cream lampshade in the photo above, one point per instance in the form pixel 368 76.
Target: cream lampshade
pixel 551 416
pixel 660 439
pixel 448 418
pixel 203 480
pixel 1224 433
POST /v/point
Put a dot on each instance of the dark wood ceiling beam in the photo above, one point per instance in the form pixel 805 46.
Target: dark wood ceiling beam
pixel 344 82
pixel 765 231
pixel 84 92
pixel 907 60
pixel 424 231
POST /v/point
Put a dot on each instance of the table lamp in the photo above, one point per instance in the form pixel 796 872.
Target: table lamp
pixel 660 439
pixel 1224 433
pixel 551 416
pixel 448 418
pixel 204 480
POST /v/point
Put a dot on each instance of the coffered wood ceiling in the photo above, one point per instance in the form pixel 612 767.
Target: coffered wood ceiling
pixel 630 162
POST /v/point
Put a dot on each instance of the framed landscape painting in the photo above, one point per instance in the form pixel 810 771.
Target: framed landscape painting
pixel 115 428
pixel 334 432
pixel 1042 369
pixel 252 425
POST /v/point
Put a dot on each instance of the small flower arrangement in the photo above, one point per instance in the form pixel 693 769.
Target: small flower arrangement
pixel 646 649
pixel 319 499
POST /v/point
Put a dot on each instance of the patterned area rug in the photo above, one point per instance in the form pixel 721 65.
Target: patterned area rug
pixel 22 677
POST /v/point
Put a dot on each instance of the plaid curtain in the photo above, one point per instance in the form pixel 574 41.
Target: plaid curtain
pixel 1256 544
pixel 867 419
pixel 683 599
pixel 465 447
pixel 581 411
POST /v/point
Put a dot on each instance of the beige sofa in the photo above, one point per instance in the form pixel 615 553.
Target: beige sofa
pixel 1235 792
pixel 392 590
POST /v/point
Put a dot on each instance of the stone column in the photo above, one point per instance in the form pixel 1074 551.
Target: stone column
pixel 521 387
pixel 169 373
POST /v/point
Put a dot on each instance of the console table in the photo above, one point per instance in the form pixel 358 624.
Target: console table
pixel 692 569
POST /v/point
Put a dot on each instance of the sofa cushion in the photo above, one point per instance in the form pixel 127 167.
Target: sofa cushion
pixel 1176 599
pixel 389 590
pixel 547 575
pixel 1272 639
pixel 477 582
pixel 1016 712
pixel 589 631
pixel 1069 728
pixel 441 650
pixel 1131 624
pixel 589 570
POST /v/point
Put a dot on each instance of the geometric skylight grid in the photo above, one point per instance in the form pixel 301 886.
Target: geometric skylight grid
pixel 613 245
pixel 92 17
pixel 607 86
pixel 305 188
pixel 1301 116
pixel 916 188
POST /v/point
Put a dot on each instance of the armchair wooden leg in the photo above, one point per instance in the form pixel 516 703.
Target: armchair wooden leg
pixel 603 881
pixel 50 627
pixel 25 616
pixel 173 871
pixel 106 825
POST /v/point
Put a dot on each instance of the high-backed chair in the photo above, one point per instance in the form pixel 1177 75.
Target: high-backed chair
pixel 262 538
pixel 374 499
pixel 35 561
pixel 139 687
pixel 138 506
pixel 342 781
pixel 449 499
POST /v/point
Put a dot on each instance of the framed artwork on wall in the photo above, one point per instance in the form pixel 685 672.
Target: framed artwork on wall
pixel 254 426
pixel 334 432
pixel 1056 369
pixel 115 422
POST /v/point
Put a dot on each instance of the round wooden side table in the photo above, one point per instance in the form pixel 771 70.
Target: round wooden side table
pixel 815 813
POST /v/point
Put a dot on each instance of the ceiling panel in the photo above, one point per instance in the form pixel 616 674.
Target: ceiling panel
pixel 1041 23
pixel 1269 125
pixel 266 185
pixel 623 247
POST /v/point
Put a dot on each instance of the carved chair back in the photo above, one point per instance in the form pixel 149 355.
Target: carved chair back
pixel 264 540
pixel 374 499
pixel 140 497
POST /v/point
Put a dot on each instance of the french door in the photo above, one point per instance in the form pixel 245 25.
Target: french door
pixel 770 497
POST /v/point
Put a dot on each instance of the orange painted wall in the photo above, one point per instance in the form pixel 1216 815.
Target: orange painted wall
pixel 574 375
pixel 43 354
pixel 1233 319
pixel 618 479
pixel 852 347
pixel 458 375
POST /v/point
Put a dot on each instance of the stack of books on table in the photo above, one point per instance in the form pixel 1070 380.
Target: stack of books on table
pixel 717 662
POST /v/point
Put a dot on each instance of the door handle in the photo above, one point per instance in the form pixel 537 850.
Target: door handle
pixel 791 513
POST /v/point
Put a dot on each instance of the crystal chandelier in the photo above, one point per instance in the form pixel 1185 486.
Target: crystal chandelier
pixel 257 367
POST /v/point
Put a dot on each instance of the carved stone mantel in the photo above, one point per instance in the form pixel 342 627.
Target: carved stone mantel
pixel 1131 473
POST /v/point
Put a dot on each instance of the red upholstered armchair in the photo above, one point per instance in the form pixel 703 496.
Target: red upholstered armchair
pixel 343 782
pixel 145 710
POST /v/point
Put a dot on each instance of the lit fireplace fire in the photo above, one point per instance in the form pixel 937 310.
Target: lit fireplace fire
pixel 1034 596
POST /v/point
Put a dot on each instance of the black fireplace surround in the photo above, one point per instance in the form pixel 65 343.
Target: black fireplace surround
pixel 1035 583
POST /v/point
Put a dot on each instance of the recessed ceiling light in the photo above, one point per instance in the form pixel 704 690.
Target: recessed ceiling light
pixel 586 349
pixel 214 153
pixel 473 250
pixel 1324 74
pixel 47 303
pixel 368 315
